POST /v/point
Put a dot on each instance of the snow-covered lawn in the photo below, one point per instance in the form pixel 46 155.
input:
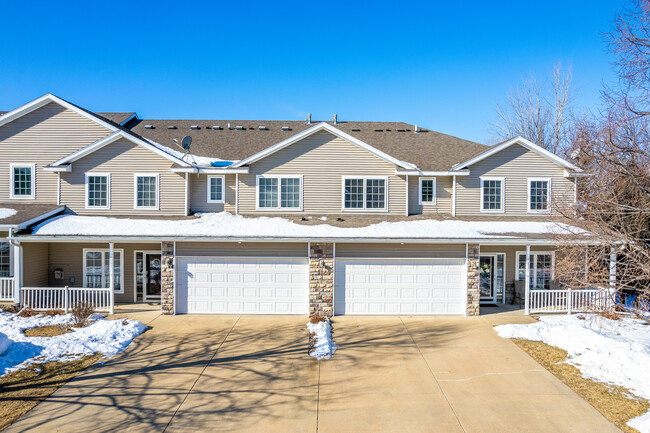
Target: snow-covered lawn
pixel 324 347
pixel 611 351
pixel 108 337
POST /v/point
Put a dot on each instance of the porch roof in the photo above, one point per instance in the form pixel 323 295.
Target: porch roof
pixel 224 226
pixel 17 215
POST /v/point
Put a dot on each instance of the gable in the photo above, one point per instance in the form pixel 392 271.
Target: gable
pixel 516 160
pixel 122 155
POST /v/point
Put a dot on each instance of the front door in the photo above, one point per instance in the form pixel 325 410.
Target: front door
pixel 152 276
pixel 486 278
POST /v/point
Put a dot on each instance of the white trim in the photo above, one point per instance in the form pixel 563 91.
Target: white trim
pixel 236 193
pixel 135 271
pixel 548 204
pixel 453 197
pixel 205 170
pixel 533 263
pixel 493 298
pixel 407 195
pixel 58 189
pixel 435 192
pixel 314 129
pixel 223 188
pixel 503 194
pixel 59 169
pixel 39 218
pixel 187 194
pixel 279 207
pixel 105 141
pixel 522 142
pixel 31 166
pixel 135 191
pixel 364 208
pixel 108 190
pixel 104 251
pixel 432 173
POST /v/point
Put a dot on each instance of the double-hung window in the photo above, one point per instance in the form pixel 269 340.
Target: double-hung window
pixel 365 193
pixel 216 189
pixel 279 192
pixel 96 269
pixel 5 259
pixel 427 190
pixel 492 194
pixel 98 191
pixel 541 268
pixel 22 181
pixel 539 194
pixel 146 191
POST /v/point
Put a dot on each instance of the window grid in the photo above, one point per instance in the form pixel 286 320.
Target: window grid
pixel 427 190
pixel 216 189
pixel 146 191
pixel 5 259
pixel 354 193
pixel 290 192
pixel 97 191
pixel 268 192
pixel 538 195
pixel 541 269
pixel 492 195
pixel 98 269
pixel 375 190
pixel 23 181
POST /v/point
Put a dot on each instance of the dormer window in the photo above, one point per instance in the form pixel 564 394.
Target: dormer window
pixel 22 181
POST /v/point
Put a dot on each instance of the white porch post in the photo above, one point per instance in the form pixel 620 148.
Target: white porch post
pixel 111 276
pixel 527 281
pixel 17 271
pixel 612 268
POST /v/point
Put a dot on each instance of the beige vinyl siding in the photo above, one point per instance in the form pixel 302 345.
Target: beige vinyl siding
pixel 322 159
pixel 444 191
pixel 69 258
pixel 41 137
pixel 199 194
pixel 516 164
pixel 35 264
pixel 375 250
pixel 122 159
pixel 245 249
pixel 511 256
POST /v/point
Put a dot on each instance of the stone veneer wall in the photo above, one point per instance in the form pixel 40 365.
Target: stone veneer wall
pixel 321 279
pixel 473 292
pixel 167 278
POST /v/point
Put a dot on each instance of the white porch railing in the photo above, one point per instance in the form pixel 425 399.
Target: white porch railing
pixel 569 301
pixel 64 298
pixel 6 289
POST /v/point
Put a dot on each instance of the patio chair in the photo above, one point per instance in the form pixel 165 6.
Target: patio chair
pixel 520 293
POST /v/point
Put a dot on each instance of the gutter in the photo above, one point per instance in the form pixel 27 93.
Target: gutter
pixel 431 173
pixel 206 170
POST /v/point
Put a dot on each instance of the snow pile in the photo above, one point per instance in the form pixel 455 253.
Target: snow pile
pixel 227 225
pixel 324 347
pixel 6 212
pixel 612 351
pixel 108 337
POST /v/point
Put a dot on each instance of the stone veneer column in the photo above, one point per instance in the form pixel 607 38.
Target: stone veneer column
pixel 167 278
pixel 321 279
pixel 473 293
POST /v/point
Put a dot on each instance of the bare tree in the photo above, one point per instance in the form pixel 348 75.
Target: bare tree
pixel 539 112
pixel 614 146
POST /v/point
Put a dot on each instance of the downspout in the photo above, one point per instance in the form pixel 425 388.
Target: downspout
pixel 17 265
pixel 236 193
pixel 187 194
pixel 453 198
pixel 407 195
pixel 58 188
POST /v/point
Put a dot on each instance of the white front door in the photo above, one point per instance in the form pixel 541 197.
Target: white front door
pixel 400 286
pixel 216 285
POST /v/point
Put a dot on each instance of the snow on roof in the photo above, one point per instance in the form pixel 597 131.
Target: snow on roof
pixel 225 225
pixel 6 212
pixel 200 161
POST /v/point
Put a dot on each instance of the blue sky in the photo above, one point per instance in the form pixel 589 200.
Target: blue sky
pixel 442 65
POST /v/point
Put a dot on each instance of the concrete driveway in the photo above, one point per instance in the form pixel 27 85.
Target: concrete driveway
pixel 247 373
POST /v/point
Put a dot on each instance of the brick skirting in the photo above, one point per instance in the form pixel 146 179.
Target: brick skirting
pixel 321 279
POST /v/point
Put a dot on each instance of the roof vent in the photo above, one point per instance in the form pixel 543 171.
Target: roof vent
pixel 336 119
pixel 416 129
pixel 171 127
pixel 239 128
pixel 195 127
pixel 263 128
pixel 217 128
pixel 379 130
pixel 401 130
pixel 286 128
pixel 356 129
pixel 148 126
pixel 309 118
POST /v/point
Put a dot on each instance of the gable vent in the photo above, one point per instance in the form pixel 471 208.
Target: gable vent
pixel 148 126
pixel 239 128
pixel 171 127
pixel 263 128
pixel 286 128
pixel 217 128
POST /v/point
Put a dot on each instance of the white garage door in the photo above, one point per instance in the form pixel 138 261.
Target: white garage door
pixel 409 286
pixel 215 285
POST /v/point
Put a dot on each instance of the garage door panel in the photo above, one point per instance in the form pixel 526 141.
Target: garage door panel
pixel 242 286
pixel 399 286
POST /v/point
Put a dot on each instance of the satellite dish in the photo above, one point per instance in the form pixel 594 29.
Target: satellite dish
pixel 186 142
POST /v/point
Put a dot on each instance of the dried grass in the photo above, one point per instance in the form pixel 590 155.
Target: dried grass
pixel 317 318
pixel 28 312
pixel 615 403
pixel 21 390
pixel 47 331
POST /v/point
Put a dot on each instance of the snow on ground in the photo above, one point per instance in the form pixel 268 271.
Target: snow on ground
pixel 108 337
pixel 6 212
pixel 227 225
pixel 324 347
pixel 612 351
